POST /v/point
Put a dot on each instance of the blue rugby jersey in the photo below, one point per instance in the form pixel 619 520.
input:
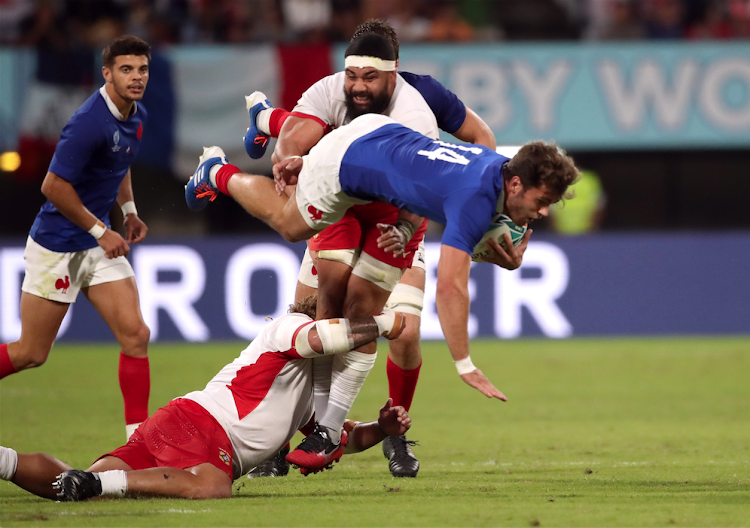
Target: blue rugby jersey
pixel 449 110
pixel 458 186
pixel 94 154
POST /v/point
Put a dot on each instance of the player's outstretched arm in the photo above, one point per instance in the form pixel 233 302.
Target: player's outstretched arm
pixel 393 421
pixel 509 259
pixel 64 197
pixel 452 301
pixel 475 130
pixel 136 229
pixel 336 336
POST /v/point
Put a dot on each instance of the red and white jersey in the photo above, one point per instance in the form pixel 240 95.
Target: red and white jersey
pixel 264 396
pixel 325 102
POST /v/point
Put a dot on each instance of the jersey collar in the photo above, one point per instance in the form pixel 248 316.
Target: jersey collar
pixel 113 107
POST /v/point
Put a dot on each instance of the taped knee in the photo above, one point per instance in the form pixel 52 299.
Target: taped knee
pixel 406 299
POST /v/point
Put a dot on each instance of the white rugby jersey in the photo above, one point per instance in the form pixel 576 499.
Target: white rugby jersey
pixel 326 102
pixel 264 396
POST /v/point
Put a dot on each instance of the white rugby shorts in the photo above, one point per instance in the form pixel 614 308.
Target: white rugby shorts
pixel 320 200
pixel 60 276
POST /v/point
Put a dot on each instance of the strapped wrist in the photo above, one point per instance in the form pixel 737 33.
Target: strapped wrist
pixel 129 208
pixel 98 230
pixel 464 366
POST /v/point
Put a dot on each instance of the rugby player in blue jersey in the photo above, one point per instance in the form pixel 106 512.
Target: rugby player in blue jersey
pixel 71 247
pixel 376 159
pixel 340 260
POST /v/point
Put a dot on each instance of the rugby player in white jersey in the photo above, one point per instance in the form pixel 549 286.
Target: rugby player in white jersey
pixel 198 444
pixel 349 248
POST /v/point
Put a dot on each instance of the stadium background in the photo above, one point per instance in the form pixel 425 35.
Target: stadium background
pixel 651 95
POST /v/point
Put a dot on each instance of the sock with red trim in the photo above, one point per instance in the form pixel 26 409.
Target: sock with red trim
pixel 276 121
pixel 6 365
pixel 401 383
pixel 223 175
pixel 135 384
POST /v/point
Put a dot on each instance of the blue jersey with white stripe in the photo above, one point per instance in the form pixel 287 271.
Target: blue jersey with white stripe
pixel 94 154
pixel 449 110
pixel 455 185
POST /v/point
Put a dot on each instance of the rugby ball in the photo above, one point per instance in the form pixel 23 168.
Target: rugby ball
pixel 500 224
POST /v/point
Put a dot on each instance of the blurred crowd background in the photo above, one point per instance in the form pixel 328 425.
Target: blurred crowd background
pixel 625 189
pixel 71 24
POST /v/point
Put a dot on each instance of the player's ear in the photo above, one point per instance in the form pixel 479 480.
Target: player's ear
pixel 107 74
pixel 515 185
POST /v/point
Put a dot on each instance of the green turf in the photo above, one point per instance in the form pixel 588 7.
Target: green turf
pixel 596 433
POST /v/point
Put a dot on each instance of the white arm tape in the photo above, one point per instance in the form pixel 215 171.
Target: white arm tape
pixel 464 366
pixel 302 343
pixel 335 335
pixel 98 230
pixel 385 321
pixel 129 208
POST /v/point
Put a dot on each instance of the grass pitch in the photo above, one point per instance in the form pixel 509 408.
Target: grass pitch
pixel 624 432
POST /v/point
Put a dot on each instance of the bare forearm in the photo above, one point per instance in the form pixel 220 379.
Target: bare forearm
pixel 125 193
pixel 453 311
pixel 363 436
pixel 64 197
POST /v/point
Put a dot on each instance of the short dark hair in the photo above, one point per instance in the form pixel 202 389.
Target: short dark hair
pixel 371 45
pixel 379 27
pixel 125 45
pixel 539 163
pixel 307 306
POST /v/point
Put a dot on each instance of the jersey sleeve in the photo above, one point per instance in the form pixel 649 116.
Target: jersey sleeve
pixel 316 102
pixel 467 219
pixel 284 331
pixel 449 110
pixel 78 140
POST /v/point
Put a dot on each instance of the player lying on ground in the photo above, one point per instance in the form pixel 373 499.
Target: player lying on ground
pixel 375 159
pixel 352 276
pixel 196 445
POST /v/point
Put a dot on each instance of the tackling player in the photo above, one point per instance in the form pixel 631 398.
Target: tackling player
pixel 198 444
pixel 347 252
pixel 71 247
pixel 376 159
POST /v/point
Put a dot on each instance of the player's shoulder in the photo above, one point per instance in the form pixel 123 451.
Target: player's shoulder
pixel 91 110
pixel 332 84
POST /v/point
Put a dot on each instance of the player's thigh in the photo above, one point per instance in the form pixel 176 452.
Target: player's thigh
pixel 40 322
pixel 364 298
pixel 108 463
pixel 333 279
pixel 214 483
pixel 118 304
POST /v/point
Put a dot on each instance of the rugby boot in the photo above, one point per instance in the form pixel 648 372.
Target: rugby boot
pixel 199 190
pixel 276 467
pixel 402 462
pixel 255 140
pixel 77 485
pixel 316 452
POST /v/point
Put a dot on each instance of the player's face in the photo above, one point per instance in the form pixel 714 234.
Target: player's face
pixel 526 205
pixel 367 91
pixel 128 76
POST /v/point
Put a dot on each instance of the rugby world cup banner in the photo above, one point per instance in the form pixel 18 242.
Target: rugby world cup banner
pixel 602 96
pixel 585 96
pixel 600 285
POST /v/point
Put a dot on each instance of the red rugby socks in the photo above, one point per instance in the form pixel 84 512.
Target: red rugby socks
pixel 6 366
pixel 135 384
pixel 401 383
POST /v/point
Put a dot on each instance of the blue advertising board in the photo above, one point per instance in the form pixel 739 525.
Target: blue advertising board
pixel 598 285
pixel 598 96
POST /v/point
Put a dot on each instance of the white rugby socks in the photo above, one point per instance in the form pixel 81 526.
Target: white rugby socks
pixel 349 374
pixel 114 482
pixel 263 121
pixel 322 367
pixel 8 463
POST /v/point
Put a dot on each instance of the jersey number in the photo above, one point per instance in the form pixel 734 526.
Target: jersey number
pixel 447 153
